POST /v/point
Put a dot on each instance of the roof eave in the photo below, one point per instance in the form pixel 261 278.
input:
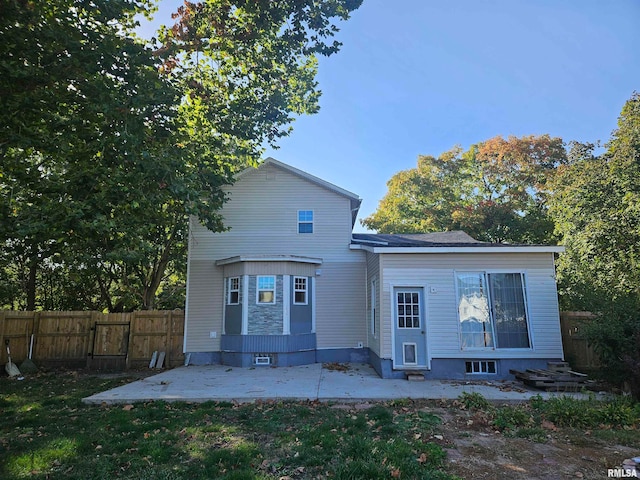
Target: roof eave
pixel 458 249
pixel 268 258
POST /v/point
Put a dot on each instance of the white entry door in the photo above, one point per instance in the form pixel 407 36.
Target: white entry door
pixel 409 329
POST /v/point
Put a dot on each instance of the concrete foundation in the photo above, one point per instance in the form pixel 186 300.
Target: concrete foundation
pixel 441 368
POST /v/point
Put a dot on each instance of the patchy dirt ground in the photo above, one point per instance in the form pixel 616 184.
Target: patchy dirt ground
pixel 476 450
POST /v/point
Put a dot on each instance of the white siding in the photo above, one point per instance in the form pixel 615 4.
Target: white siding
pixel 204 307
pixel 262 214
pixel 437 275
pixel 341 305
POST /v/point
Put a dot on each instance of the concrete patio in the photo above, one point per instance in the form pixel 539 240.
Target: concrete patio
pixel 359 382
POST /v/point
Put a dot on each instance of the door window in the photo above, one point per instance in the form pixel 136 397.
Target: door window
pixel 408 308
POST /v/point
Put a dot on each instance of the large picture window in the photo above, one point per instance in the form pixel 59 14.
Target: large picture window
pixel 266 291
pixel 492 310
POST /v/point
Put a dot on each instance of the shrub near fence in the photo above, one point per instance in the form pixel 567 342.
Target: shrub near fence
pixel 102 341
pixel 577 350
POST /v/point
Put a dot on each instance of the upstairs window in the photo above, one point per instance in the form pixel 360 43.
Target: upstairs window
pixel 266 291
pixel 305 221
pixel 233 291
pixel 300 290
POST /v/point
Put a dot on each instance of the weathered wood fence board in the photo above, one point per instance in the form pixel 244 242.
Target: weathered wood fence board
pixel 577 350
pixel 93 339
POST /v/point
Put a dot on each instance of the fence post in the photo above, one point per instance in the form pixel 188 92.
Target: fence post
pixel 93 319
pixel 132 323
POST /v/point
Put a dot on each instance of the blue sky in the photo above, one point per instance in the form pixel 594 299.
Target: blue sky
pixel 418 77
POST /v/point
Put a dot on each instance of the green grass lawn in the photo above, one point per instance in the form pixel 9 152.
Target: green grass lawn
pixel 46 432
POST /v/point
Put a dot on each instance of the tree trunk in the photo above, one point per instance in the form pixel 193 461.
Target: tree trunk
pixel 104 292
pixel 157 274
pixel 157 271
pixel 31 284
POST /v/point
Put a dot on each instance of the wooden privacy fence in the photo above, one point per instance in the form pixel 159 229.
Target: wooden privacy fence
pixel 577 350
pixel 95 340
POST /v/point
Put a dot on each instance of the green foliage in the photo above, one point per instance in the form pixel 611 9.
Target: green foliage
pixel 571 412
pixel 474 401
pixel 107 146
pixel 596 208
pixel 536 419
pixel 614 334
pixel 510 418
pixel 496 191
pixel 86 112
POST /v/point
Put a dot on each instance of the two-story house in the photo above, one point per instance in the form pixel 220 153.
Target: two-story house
pixel 290 284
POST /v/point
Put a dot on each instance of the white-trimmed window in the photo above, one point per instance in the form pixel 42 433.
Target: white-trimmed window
pixel 233 290
pixel 479 367
pixel 492 309
pixel 266 289
pixel 408 312
pixel 305 221
pixel 300 290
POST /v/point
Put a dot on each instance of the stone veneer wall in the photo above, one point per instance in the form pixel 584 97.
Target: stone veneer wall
pixel 265 319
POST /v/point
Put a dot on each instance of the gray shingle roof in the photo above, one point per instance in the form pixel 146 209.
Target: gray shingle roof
pixel 454 238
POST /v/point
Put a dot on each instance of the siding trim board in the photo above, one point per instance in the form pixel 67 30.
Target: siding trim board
pixel 286 304
pixel 313 304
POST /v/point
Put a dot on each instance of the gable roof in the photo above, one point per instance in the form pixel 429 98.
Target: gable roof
pixel 353 198
pixel 454 241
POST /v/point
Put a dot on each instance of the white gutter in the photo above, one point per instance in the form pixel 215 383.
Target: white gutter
pixel 458 249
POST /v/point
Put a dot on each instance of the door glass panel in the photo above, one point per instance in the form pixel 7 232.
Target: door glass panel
pixel 408 310
pixel 509 310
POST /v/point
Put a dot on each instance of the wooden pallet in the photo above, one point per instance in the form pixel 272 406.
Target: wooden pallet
pixel 558 377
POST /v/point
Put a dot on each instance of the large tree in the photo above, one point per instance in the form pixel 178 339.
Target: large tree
pixel 107 145
pixel 495 191
pixel 83 108
pixel 596 208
